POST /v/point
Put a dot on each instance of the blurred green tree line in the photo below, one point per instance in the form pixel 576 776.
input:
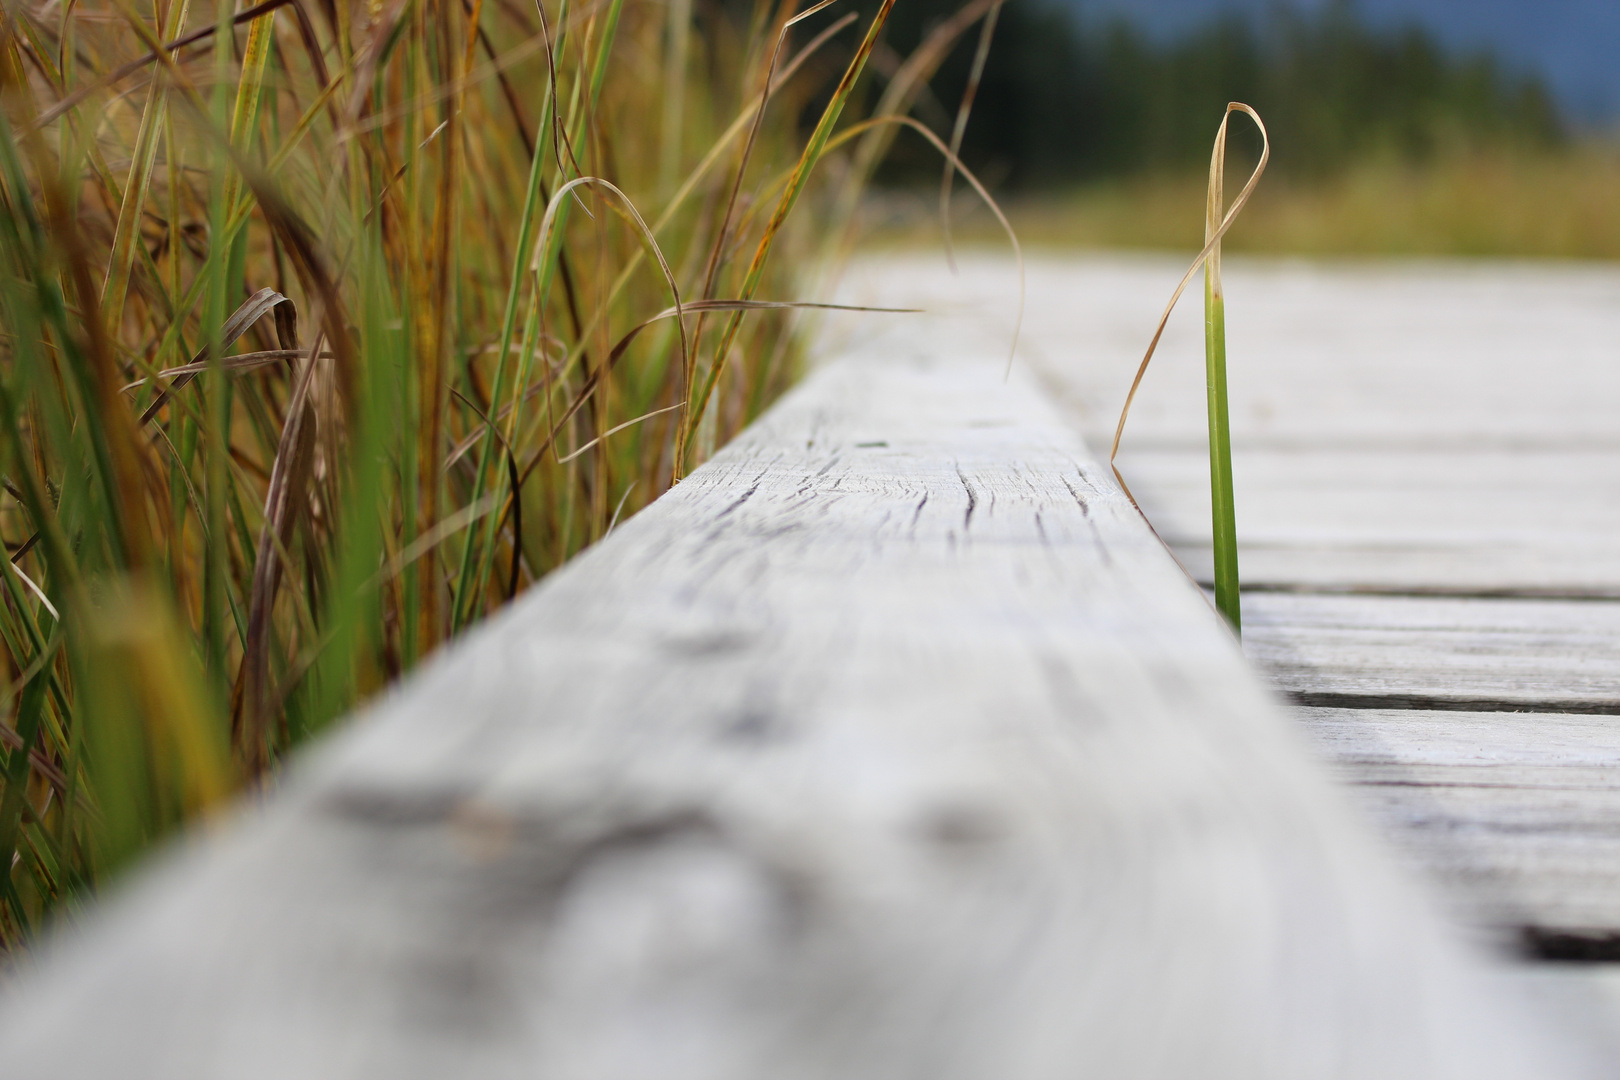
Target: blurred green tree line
pixel 1065 100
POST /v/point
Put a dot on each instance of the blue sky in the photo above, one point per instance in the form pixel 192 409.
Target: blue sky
pixel 1573 44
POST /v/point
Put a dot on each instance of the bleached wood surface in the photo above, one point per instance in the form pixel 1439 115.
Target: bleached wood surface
pixel 890 744
pixel 1384 413
pixel 1439 436
pixel 1505 521
pixel 1451 652
pixel 1518 812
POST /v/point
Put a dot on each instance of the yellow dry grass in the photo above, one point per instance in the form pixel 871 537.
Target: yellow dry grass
pixel 1564 205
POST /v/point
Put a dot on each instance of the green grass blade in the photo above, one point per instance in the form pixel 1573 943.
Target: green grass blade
pixel 1218 220
pixel 784 206
pixel 1223 519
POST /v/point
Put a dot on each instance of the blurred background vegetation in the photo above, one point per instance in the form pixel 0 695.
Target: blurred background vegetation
pixel 1095 132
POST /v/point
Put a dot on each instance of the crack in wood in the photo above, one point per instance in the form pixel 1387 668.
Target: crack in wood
pixel 916 514
pixel 972 498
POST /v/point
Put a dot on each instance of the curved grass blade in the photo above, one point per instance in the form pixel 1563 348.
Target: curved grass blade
pixel 1217 223
pixel 973 181
pixel 693 178
pixel 475 571
pixel 980 55
pixel 795 187
pixel 249 312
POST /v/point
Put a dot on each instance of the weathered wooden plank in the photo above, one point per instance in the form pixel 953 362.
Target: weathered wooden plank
pixel 889 744
pixel 1585 996
pixel 1431 428
pixel 1517 813
pixel 1382 413
pixel 1475 520
pixel 1370 353
pixel 1551 655
pixel 1564 750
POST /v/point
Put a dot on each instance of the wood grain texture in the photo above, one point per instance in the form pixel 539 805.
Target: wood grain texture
pixel 1411 427
pixel 1518 812
pixel 889 744
pixel 1383 412
pixel 1328 516
pixel 1548 655
pixel 1378 354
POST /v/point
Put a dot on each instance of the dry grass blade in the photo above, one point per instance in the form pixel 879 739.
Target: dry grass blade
pixel 973 181
pixel 251 311
pixel 514 501
pixel 621 346
pixel 431 539
pixel 566 458
pixel 722 232
pixel 981 55
pixel 124 71
pixel 559 138
pixel 908 81
pixel 1223 527
pixel 290 475
pixel 624 343
pixel 248 361
pixel 649 240
pixel 35 589
pixel 742 120
pixel 800 176
pixel 678 200
pixel 1210 245
pixel 37 759
pixel 136 188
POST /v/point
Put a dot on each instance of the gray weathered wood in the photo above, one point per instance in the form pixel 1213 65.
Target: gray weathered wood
pixel 1518 812
pixel 1417 427
pixel 889 744
pixel 1378 354
pixel 1328 516
pixel 1389 651
pixel 1383 412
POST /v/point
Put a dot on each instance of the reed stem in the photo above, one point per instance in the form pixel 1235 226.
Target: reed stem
pixel 1223 519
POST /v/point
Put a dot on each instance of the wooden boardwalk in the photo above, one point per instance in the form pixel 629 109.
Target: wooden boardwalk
pixel 1427 462
pixel 892 744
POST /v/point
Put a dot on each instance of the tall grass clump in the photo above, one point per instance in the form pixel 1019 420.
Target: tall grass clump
pixel 326 328
pixel 1218 218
